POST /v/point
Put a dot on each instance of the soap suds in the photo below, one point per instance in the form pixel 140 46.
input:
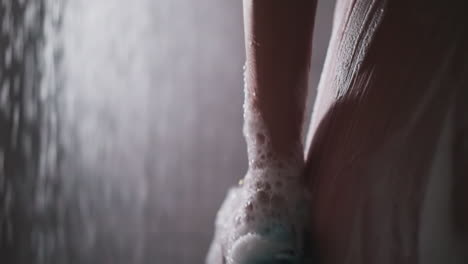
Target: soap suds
pixel 262 219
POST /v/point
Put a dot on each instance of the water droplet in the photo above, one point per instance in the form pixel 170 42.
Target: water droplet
pixel 16 84
pixel 5 93
pixel 15 125
pixel 249 206
pixel 18 49
pixel 6 24
pixel 2 165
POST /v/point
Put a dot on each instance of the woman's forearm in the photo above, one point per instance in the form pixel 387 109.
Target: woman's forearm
pixel 278 36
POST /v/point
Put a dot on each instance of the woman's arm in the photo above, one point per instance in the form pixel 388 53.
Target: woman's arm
pixel 262 221
pixel 278 36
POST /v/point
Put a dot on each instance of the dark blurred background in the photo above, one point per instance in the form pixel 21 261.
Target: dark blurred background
pixel 120 126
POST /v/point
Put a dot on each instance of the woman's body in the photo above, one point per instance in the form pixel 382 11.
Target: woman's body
pixel 387 120
pixel 383 163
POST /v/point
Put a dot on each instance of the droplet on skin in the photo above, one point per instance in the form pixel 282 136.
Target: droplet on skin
pixel 249 206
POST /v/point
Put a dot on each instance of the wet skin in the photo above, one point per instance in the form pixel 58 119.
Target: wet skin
pixel 393 94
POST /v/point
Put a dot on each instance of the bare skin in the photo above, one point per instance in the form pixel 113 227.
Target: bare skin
pixel 278 37
pixel 387 149
pixel 395 75
pixel 384 163
pixel 259 221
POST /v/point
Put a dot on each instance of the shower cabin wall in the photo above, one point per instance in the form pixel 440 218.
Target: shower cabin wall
pixel 112 145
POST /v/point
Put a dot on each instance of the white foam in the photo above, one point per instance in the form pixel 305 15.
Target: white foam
pixel 265 217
